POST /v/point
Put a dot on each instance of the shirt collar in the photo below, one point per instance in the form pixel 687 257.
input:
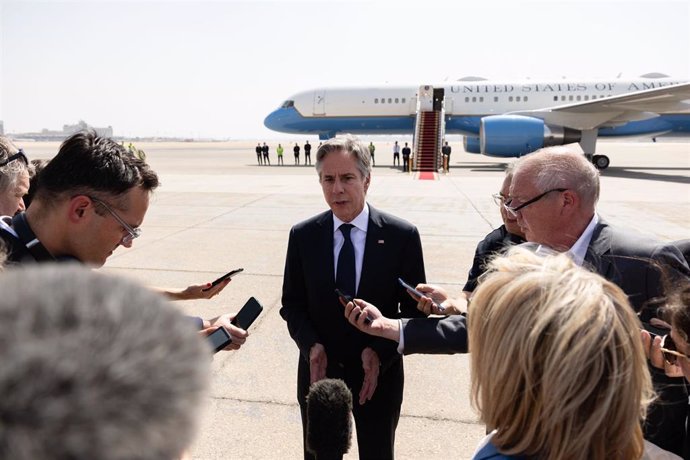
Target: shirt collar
pixel 578 250
pixel 361 221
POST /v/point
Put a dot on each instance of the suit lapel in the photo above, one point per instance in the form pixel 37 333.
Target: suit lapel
pixel 323 240
pixel 599 248
pixel 373 250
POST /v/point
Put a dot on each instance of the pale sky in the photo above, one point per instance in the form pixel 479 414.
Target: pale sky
pixel 216 69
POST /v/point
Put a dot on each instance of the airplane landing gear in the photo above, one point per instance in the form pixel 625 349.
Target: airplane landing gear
pixel 601 161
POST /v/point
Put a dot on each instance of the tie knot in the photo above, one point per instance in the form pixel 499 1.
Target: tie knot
pixel 345 230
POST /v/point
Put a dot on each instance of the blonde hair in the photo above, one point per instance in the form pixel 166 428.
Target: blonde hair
pixel 558 367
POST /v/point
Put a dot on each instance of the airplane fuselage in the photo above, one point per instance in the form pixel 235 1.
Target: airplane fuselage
pixel 505 119
pixel 392 110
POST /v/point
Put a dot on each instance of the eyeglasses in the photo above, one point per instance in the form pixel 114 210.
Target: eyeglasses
pixel 17 156
pixel 132 233
pixel 499 199
pixel 671 354
pixel 514 210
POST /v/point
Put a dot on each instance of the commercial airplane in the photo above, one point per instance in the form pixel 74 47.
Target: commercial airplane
pixel 504 119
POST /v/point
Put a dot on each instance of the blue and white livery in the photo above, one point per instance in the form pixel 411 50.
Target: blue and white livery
pixel 500 118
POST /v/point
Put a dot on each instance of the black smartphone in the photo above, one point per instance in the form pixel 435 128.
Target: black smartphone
pixel 348 299
pixel 418 293
pixel 246 316
pixel 223 278
pixel 219 339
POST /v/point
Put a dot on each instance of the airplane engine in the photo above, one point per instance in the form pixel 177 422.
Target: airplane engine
pixel 517 135
pixel 471 144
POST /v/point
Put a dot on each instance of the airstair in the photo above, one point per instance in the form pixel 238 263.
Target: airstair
pixel 429 129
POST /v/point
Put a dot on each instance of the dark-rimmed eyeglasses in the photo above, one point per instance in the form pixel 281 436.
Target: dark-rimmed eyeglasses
pixel 132 233
pixel 670 351
pixel 17 156
pixel 514 210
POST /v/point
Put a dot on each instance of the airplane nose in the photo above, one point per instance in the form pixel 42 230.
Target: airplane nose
pixel 274 120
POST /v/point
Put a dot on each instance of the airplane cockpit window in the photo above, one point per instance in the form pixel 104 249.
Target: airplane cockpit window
pixel 287 104
pixel 376 100
pixel 396 100
pixel 403 100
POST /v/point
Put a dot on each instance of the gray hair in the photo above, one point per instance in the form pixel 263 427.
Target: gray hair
pixel 562 167
pixel 9 174
pixel 93 366
pixel 347 143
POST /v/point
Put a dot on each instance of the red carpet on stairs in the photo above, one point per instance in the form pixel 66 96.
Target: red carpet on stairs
pixel 426 175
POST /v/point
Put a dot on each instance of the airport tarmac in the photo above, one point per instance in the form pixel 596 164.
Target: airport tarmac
pixel 217 210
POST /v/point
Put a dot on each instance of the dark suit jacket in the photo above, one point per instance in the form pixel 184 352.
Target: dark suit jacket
pixel 440 335
pixel 634 262
pixel 310 306
pixel 628 259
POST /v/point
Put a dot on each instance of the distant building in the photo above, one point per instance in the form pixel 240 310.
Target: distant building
pixel 2 128
pixel 67 130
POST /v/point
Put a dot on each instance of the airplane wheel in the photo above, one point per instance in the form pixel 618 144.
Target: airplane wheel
pixel 601 161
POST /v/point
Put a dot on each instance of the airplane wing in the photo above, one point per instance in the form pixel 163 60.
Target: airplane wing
pixel 616 110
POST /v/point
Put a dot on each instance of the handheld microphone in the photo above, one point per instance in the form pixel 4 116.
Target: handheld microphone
pixel 329 423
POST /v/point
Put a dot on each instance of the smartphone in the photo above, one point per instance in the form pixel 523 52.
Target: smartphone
pixel 348 299
pixel 223 278
pixel 419 294
pixel 219 339
pixel 247 314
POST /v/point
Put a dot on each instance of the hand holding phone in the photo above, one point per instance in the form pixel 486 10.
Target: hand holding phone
pixel 419 294
pixel 228 275
pixel 246 316
pixel 219 339
pixel 348 299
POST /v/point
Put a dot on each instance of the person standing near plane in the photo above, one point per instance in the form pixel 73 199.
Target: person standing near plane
pixel 396 153
pixel 372 149
pixel 362 251
pixel 406 151
pixel 279 151
pixel 307 153
pixel 445 150
pixel 296 151
pixel 258 153
pixel 264 150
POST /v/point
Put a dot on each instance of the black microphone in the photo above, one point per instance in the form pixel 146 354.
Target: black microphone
pixel 329 424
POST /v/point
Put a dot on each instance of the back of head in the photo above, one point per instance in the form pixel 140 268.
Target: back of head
pixel 350 144
pixel 329 425
pixel 678 308
pixel 10 169
pixel 557 361
pixel 562 167
pixel 88 163
pixel 96 367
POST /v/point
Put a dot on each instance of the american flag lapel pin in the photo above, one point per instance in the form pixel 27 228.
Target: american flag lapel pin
pixel 380 241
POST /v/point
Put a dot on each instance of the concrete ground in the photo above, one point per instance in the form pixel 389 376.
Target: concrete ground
pixel 217 210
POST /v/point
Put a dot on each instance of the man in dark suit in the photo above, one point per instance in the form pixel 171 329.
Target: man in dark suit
pixel 553 196
pixel 361 251
pixel 406 152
